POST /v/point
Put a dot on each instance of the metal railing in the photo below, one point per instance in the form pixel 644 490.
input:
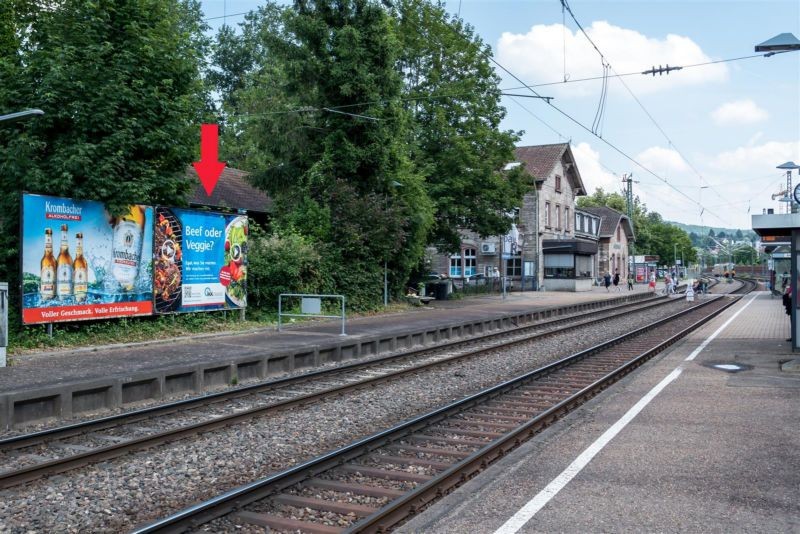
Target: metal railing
pixel 310 306
pixel 3 322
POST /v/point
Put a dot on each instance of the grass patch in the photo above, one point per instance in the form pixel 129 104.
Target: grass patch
pixel 31 339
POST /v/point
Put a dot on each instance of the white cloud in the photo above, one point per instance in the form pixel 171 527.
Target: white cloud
pixel 737 180
pixel 662 161
pixel 592 172
pixel 738 112
pixel 757 160
pixel 538 56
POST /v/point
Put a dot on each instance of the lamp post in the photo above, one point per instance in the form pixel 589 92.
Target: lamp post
pixel 395 185
pixel 675 255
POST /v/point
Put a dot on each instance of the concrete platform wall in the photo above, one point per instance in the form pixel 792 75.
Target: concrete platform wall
pixel 73 399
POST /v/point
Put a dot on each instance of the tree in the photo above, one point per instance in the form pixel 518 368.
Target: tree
pixel 321 126
pixel 453 96
pixel 120 84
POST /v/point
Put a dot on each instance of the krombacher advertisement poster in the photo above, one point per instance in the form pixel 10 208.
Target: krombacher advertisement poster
pixel 79 262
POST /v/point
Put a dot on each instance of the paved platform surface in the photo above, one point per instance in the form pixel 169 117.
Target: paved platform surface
pixel 43 370
pixel 717 449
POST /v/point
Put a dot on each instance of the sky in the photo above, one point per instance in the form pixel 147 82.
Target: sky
pixel 703 142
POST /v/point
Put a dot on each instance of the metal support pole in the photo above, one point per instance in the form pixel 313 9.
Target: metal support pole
pixel 343 316
pixel 279 311
pixel 385 285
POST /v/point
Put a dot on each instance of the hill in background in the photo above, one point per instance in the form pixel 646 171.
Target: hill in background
pixel 747 234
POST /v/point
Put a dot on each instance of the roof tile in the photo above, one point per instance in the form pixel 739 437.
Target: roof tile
pixel 233 191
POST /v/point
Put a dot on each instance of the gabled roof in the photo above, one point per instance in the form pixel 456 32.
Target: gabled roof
pixel 610 219
pixel 233 191
pixel 540 160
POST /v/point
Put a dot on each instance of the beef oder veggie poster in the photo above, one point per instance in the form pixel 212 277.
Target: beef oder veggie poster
pixel 199 260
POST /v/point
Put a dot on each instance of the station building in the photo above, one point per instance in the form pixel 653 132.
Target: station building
pixel 552 244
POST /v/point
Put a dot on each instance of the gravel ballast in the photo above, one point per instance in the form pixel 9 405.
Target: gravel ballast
pixel 132 490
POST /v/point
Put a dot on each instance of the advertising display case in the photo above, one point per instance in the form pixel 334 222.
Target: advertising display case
pixel 199 260
pixel 78 262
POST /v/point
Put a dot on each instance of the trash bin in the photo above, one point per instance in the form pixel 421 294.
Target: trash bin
pixel 441 290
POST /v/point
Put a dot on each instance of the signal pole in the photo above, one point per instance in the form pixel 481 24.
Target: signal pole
pixel 628 178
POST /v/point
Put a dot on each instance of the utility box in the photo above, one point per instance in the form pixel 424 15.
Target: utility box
pixel 3 322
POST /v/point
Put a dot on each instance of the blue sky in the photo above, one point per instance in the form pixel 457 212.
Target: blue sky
pixel 717 132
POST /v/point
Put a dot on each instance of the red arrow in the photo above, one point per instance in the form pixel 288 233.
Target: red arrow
pixel 209 167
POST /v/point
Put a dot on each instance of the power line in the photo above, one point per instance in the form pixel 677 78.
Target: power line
pixel 636 99
pixel 635 73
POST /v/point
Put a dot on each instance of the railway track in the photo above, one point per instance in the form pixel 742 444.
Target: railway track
pixel 376 482
pixel 27 457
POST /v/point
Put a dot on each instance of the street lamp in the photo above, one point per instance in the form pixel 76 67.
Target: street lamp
pixel 792 204
pixel 785 42
pixel 394 184
pixel 19 115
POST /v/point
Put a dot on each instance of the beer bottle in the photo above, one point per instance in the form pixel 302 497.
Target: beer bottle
pixel 47 283
pixel 80 271
pixel 64 268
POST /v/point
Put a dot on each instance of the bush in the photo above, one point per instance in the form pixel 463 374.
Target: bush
pixel 286 263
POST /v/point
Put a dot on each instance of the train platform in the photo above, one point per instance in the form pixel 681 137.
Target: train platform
pixel 703 438
pixel 62 384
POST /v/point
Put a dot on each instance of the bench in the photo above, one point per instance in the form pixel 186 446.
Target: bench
pixel 419 301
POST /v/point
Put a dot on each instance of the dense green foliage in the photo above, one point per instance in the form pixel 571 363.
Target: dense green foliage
pixel 453 96
pixel 120 84
pixel 375 130
pixel 278 263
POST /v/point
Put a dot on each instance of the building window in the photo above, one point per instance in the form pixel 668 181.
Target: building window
pixel 455 265
pixel 514 267
pixel 566 219
pixel 619 235
pixel 559 266
pixel 464 264
pixel 558 217
pixel 470 262
pixel 547 215
pixel 584 266
pixel 558 184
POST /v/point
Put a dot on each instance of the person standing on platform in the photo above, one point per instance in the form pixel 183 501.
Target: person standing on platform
pixel 652 285
pixel 630 281
pixel 616 281
pixel 787 304
pixel 787 300
pixel 607 280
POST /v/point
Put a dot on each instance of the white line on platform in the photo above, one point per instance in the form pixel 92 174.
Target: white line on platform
pixel 518 520
pixel 710 338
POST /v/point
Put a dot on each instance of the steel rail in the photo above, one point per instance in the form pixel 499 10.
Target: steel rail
pixel 236 498
pixel 67 463
pixel 102 423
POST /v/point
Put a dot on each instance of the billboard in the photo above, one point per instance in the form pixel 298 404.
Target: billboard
pixel 199 260
pixel 79 262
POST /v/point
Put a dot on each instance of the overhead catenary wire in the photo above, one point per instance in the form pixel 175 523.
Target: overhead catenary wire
pixel 486 55
pixel 607 65
pixel 529 87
